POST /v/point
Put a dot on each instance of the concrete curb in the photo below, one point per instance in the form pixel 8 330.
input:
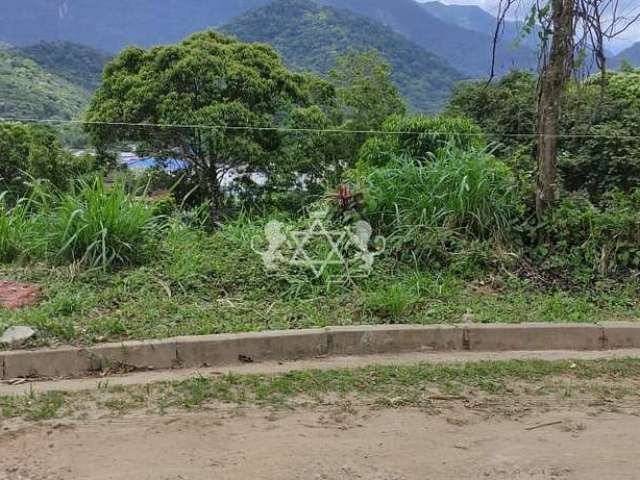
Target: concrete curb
pixel 229 349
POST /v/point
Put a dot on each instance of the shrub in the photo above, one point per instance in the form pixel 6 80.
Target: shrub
pixel 92 224
pixel 28 152
pixel 100 226
pixel 601 239
pixel 419 137
pixel 460 195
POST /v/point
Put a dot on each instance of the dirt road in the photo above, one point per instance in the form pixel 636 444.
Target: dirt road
pixel 330 443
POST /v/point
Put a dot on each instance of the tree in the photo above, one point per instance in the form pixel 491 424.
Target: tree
pixel 598 153
pixel 365 97
pixel 365 90
pixel 30 152
pixel 567 29
pixel 216 98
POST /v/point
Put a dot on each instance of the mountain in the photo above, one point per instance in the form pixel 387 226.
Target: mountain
pixel 470 17
pixel 29 91
pixel 309 37
pixel 466 50
pixel 631 55
pixel 113 24
pixel 474 18
pixel 78 64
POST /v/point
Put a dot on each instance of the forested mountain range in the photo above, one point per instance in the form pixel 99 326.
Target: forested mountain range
pixel 309 37
pixel 48 80
pixel 631 55
pixel 112 24
pixel 78 64
pixel 29 91
pixel 476 19
pixel 466 50
pixel 61 46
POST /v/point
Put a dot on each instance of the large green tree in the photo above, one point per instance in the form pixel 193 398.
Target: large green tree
pixel 226 96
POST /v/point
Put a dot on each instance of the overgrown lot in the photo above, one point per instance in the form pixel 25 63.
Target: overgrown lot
pixel 441 208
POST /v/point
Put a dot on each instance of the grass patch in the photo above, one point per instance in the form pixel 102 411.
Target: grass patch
pixel 157 302
pixel 386 386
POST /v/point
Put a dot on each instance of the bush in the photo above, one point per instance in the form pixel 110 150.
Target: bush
pixel 33 152
pixel 599 239
pixel 100 226
pixel 92 224
pixel 419 137
pixel 460 195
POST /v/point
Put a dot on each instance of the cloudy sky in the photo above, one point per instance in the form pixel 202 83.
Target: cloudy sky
pixel 628 38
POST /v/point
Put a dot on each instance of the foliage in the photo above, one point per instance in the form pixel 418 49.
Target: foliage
pixel 310 37
pixel 209 79
pixel 599 148
pixel 92 224
pixel 419 137
pixel 78 64
pixel 33 152
pixel 588 239
pixel 365 93
pixel 504 109
pixel 606 152
pixel 29 91
pixel 99 226
pixel 426 206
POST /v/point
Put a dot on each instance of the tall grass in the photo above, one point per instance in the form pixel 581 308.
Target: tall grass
pixel 93 224
pixel 458 194
pixel 100 226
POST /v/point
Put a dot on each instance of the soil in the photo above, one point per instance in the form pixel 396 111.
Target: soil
pixel 332 443
pixel 14 295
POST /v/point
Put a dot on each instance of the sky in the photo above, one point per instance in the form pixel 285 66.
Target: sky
pixel 627 39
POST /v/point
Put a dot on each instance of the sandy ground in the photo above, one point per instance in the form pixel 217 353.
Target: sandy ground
pixel 509 439
pixel 328 444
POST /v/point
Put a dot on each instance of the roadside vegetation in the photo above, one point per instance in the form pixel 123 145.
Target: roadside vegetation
pixel 123 254
pixel 487 386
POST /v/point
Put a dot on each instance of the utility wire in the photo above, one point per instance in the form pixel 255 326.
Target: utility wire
pixel 312 130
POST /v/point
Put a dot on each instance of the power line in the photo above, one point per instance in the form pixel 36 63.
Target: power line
pixel 314 130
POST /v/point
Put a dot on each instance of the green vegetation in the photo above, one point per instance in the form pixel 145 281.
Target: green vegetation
pixel 208 79
pixel 599 148
pixel 310 37
pixel 29 91
pixel 88 225
pixel 29 153
pixel 78 64
pixel 422 385
pixel 126 255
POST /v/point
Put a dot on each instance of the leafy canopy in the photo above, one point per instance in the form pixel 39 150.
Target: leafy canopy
pixel 207 80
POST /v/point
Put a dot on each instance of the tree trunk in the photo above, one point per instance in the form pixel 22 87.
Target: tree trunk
pixel 553 80
pixel 215 191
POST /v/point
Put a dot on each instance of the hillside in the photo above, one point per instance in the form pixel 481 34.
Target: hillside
pixel 466 50
pixel 309 37
pixel 29 91
pixel 470 17
pixel 476 19
pixel 78 64
pixel 111 25
pixel 631 55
